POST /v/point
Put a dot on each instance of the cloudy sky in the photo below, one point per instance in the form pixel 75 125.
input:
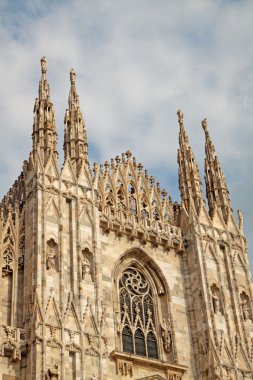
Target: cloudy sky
pixel 137 62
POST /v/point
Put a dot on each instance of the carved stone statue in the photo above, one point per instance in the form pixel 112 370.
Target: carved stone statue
pixel 245 309
pixel 72 76
pixel 86 270
pixel 240 219
pixel 117 319
pixel 43 64
pixel 229 374
pixel 216 303
pixel 52 374
pixel 51 255
pixel 166 335
pixel 50 139
pixel 81 150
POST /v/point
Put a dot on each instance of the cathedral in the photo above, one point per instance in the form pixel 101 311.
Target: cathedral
pixel 104 277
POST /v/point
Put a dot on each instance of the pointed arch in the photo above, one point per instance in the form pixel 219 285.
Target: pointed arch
pixel 142 295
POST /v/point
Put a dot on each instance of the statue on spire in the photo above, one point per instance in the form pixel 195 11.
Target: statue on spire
pixel 204 125
pixel 72 76
pixel 180 116
pixel 43 65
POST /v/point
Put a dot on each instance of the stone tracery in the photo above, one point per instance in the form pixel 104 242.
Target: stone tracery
pixel 139 331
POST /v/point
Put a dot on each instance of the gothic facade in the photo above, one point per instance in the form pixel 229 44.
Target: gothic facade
pixel 104 277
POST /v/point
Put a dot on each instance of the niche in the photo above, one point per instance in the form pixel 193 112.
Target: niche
pixel 87 265
pixel 6 285
pixel 245 305
pixel 52 255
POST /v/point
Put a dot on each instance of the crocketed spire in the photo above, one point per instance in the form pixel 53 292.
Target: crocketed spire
pixel 216 187
pixel 75 139
pixel 188 172
pixel 44 128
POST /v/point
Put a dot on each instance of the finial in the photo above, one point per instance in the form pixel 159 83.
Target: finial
pixel 128 154
pixel 204 125
pixel 95 167
pixel 72 76
pixel 140 167
pixel 43 63
pixel 152 181
pixel 180 116
pixel 117 159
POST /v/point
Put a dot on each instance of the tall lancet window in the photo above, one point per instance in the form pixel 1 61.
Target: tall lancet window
pixel 138 332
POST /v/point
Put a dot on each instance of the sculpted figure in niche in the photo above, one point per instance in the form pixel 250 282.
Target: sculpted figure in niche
pixel 51 254
pixel 86 265
pixel 216 299
pixel 81 150
pixel 166 335
pixel 86 269
pixel 216 303
pixel 245 309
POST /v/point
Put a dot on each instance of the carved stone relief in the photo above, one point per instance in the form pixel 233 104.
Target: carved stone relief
pixel 166 335
pixel 124 368
pixel 7 262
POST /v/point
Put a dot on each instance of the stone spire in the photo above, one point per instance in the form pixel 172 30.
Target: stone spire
pixel 44 128
pixel 75 139
pixel 188 173
pixel 216 187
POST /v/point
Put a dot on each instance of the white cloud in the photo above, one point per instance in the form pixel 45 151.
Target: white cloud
pixel 137 63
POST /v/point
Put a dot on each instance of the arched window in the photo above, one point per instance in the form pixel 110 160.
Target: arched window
pixel 138 334
pixel 132 205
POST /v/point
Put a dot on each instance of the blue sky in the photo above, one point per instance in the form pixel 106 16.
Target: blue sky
pixel 137 62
